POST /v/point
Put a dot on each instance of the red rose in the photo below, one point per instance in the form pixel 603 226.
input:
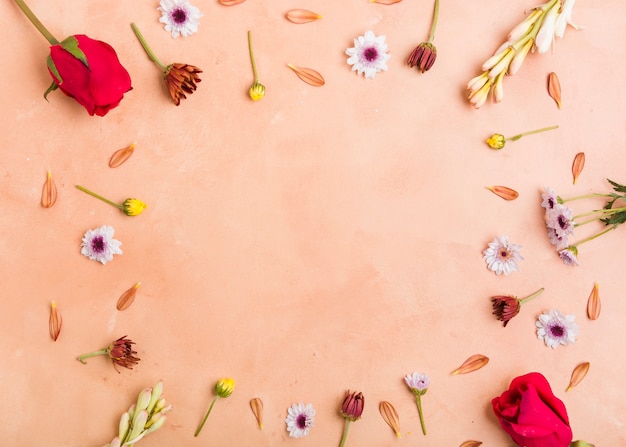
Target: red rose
pixel 531 414
pixel 89 71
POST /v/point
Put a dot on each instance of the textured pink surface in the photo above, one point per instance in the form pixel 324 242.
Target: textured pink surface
pixel 319 240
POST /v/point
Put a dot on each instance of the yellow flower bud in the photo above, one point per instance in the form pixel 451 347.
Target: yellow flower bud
pixel 133 207
pixel 496 141
pixel 257 91
pixel 224 387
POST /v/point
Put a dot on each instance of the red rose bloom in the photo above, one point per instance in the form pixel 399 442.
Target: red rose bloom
pixel 531 414
pixel 89 71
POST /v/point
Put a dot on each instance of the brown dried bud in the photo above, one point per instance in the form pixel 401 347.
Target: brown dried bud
pixel 181 79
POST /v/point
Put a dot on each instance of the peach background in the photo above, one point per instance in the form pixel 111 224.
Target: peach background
pixel 318 240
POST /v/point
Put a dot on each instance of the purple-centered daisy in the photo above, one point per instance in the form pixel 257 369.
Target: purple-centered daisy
pixel 369 55
pixel 569 256
pixel 555 329
pixel 417 382
pixel 549 199
pixel 501 256
pixel 179 17
pixel 561 220
pixel 99 245
pixel 300 419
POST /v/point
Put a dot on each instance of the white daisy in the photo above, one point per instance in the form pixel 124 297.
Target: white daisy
pixel 502 256
pixel 369 54
pixel 99 245
pixel 549 199
pixel 561 220
pixel 555 329
pixel 299 420
pixel 568 256
pixel 179 17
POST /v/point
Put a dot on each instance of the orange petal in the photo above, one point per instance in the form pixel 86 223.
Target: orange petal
pixel 471 444
pixel 55 322
pixel 554 88
pixel 127 298
pixel 578 375
pixel 308 75
pixel 257 409
pixel 385 2
pixel 504 192
pixel 471 364
pixel 302 16
pixel 390 415
pixel 49 192
pixel 231 2
pixel 578 165
pixel 119 157
pixel 593 303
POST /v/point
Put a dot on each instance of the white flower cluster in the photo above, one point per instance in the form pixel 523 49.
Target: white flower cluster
pixel 537 31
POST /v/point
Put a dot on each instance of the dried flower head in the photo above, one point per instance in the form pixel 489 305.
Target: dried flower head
pixel 180 79
pixel 424 55
pixel 506 307
pixel 352 406
pixel 120 352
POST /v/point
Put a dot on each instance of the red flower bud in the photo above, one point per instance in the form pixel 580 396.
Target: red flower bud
pixel 505 307
pixel 423 56
pixel 352 406
pixel 89 71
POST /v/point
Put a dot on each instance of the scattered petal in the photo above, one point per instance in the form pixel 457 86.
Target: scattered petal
pixel 471 444
pixel 300 16
pixel 127 298
pixel 257 409
pixel 385 2
pixel 578 375
pixel 308 75
pixel 390 415
pixel 504 192
pixel 55 321
pixel 593 304
pixel 231 2
pixel 49 192
pixel 578 165
pixel 120 156
pixel 471 364
pixel 554 88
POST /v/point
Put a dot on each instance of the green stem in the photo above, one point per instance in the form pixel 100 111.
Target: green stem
pixel 543 129
pixel 97 196
pixel 153 57
pixel 35 21
pixel 346 427
pixel 586 196
pixel 206 416
pixel 530 297
pixel 256 77
pixel 418 400
pixel 590 238
pixel 433 27
pixel 81 358
pixel 603 211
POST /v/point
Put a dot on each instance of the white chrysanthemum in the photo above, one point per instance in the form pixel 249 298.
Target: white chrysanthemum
pixel 555 329
pixel 179 17
pixel 568 256
pixel 300 419
pixel 369 54
pixel 417 381
pixel 502 256
pixel 99 245
pixel 549 199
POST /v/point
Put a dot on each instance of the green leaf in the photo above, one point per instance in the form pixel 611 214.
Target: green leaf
pixel 52 88
pixel 615 219
pixel 70 45
pixel 53 69
pixel 617 187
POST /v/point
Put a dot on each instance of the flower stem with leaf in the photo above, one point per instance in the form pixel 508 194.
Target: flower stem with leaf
pixel 35 21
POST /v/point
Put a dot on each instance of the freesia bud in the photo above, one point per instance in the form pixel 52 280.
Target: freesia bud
pixel 525 26
pixel 133 207
pixel 518 59
pixel 496 141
